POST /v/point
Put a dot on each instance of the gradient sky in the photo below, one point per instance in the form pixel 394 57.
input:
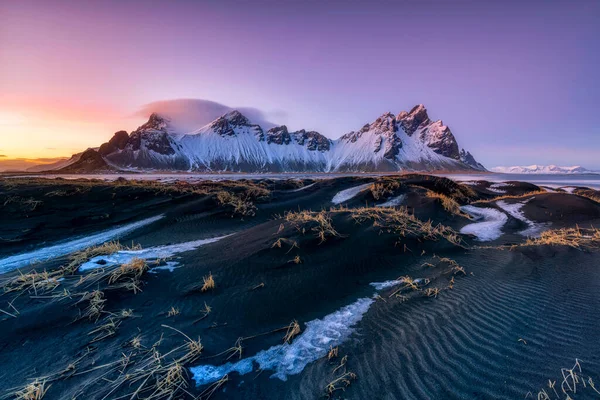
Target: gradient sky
pixel 516 81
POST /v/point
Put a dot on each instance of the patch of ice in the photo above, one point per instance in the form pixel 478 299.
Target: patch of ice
pixel 151 253
pixel 489 228
pixel 514 210
pixel 304 187
pixel 568 189
pixel 171 266
pixel 393 202
pixel 347 194
pixel 290 359
pixel 64 248
pixel 497 187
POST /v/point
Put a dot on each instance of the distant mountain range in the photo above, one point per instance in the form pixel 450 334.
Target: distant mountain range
pixel 543 169
pixel 232 143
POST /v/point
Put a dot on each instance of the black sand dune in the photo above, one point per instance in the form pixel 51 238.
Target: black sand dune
pixel 468 320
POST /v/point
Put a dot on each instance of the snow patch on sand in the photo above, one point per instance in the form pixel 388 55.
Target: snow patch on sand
pixel 304 187
pixel 393 202
pixel 58 250
pixel 498 187
pixel 515 211
pixel 490 225
pixel 395 282
pixel 291 358
pixel 348 194
pixel 151 253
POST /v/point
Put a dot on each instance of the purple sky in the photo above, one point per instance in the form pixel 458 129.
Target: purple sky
pixel 516 81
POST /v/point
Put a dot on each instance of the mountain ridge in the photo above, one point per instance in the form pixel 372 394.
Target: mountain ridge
pixel 233 143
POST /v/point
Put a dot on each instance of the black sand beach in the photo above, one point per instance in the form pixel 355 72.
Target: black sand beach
pixel 385 291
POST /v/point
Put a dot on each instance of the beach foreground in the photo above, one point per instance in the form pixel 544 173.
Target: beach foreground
pixel 411 286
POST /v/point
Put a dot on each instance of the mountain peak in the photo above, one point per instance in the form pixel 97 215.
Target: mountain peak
pixel 236 118
pixel 412 120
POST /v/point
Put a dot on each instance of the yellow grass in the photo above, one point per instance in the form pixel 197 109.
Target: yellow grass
pixel 508 196
pixel 241 205
pixel 35 390
pixel 317 222
pixel 448 203
pixel 209 283
pixel 578 238
pixel 384 188
pixel 293 330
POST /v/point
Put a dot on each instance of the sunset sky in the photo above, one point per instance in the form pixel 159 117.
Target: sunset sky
pixel 516 81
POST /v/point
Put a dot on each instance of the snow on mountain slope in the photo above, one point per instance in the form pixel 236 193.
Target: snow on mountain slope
pixel 408 141
pixel 542 169
pixel 233 143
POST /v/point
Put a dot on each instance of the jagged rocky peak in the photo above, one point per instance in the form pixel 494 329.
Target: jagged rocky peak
pixel 225 125
pixel 412 120
pixel 278 135
pixel 440 139
pixel 467 158
pixel 313 140
pixel 155 122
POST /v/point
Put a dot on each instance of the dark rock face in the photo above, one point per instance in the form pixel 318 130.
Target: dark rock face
pixel 441 140
pixel 117 142
pixel 156 141
pixel 314 140
pixel 89 161
pixel 279 135
pixel 412 120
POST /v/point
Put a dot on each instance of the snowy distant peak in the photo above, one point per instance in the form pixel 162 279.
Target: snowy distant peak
pixel 543 169
pixel 414 119
pixel 384 140
pixel 467 158
pixel 236 118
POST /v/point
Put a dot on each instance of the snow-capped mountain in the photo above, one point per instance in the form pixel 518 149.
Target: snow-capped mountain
pixel 543 169
pixel 407 141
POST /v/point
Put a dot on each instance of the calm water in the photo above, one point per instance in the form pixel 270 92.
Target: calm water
pixel 588 180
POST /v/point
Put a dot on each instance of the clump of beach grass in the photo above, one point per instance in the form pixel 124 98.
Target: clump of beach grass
pixel 317 222
pixel 578 238
pixel 292 331
pixel 511 196
pixel 84 255
pixel 35 390
pixel 242 206
pixel 448 203
pixel 208 283
pixel 384 188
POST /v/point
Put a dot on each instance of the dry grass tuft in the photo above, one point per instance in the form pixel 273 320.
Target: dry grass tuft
pixel 399 221
pixel 578 238
pixel 35 282
pixel 209 283
pixel 95 307
pixel 384 188
pixel 318 222
pixel 448 203
pixel 173 312
pixel 333 353
pixel 210 390
pixel 242 206
pixel 35 390
pixel 293 330
pixel 432 292
pixel 509 196
pixel 82 256
pixel 296 260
